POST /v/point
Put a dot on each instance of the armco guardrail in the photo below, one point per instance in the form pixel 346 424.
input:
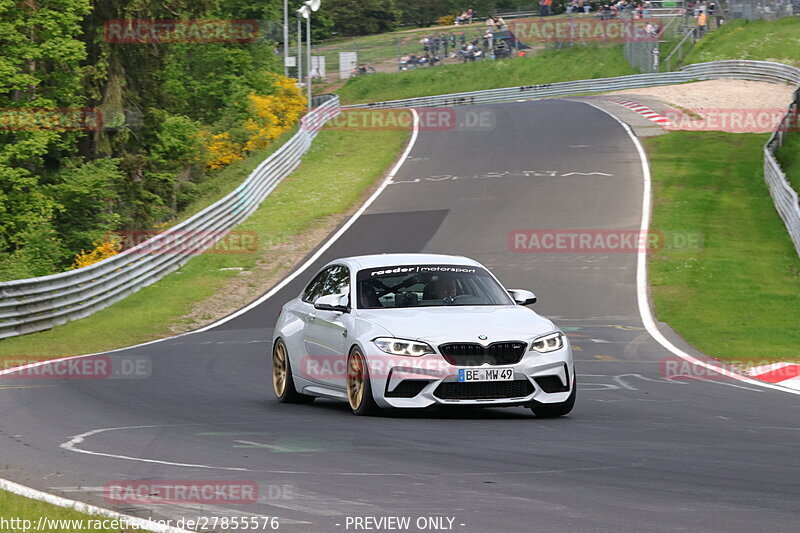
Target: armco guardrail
pixel 786 199
pixel 36 304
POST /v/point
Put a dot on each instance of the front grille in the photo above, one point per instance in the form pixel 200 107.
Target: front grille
pixel 483 390
pixel 407 388
pixel 474 354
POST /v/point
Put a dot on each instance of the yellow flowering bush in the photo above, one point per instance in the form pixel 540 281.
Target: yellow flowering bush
pixel 270 116
pixel 221 150
pixel 274 113
pixel 102 250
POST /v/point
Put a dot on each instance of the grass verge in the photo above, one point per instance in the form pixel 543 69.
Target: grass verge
pixel 788 156
pixel 577 63
pixel 737 297
pixel 340 167
pixel 13 507
pixel 766 40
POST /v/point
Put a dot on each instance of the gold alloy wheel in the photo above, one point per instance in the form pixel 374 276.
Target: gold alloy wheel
pixel 355 380
pixel 279 369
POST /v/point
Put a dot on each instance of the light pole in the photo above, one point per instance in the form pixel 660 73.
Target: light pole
pixel 300 15
pixel 308 7
pixel 286 38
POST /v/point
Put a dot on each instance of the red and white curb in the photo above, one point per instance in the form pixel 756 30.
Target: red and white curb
pixel 643 110
pixel 783 374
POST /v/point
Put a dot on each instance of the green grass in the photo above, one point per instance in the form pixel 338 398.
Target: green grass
pixel 759 40
pixel 17 507
pixel 580 62
pixel 738 296
pixel 336 172
pixel 788 156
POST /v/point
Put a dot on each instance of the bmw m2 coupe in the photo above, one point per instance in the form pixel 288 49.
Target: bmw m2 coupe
pixel 417 330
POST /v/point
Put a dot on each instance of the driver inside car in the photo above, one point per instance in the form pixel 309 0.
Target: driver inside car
pixel 440 288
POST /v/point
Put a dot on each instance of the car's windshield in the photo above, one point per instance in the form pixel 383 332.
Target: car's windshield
pixel 428 286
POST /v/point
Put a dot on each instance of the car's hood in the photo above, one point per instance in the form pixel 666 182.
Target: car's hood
pixel 460 324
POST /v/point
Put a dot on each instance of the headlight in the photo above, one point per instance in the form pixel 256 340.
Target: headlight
pixel 548 343
pixel 403 347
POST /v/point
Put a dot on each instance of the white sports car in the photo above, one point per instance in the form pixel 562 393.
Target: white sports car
pixel 416 330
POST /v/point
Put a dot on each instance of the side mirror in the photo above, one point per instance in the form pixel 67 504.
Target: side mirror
pixel 522 297
pixel 333 302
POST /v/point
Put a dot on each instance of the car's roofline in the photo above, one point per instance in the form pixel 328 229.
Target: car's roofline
pixel 396 259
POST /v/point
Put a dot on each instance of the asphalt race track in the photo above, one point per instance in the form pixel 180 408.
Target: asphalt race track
pixel 638 453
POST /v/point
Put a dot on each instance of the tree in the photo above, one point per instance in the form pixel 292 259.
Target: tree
pixel 423 13
pixel 362 17
pixel 40 56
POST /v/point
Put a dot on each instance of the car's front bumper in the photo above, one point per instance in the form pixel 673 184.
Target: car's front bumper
pixel 543 378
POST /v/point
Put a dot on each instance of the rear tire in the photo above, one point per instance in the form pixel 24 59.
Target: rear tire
pixel 554 410
pixel 359 386
pixel 282 380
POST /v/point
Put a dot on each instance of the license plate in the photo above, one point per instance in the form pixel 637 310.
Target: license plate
pixel 485 374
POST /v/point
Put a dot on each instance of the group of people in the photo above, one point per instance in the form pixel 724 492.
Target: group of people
pixel 704 13
pixel 622 8
pixel 437 47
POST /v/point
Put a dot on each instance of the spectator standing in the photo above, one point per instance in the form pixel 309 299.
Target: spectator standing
pixel 701 24
pixel 712 7
pixel 544 7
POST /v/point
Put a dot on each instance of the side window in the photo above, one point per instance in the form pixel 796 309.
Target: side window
pixel 338 281
pixel 333 280
pixel 314 289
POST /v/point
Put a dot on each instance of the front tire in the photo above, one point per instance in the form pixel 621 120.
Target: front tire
pixel 359 386
pixel 282 380
pixel 554 410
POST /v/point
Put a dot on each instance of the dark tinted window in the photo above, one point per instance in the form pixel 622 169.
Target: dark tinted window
pixel 314 289
pixel 337 282
pixel 333 280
